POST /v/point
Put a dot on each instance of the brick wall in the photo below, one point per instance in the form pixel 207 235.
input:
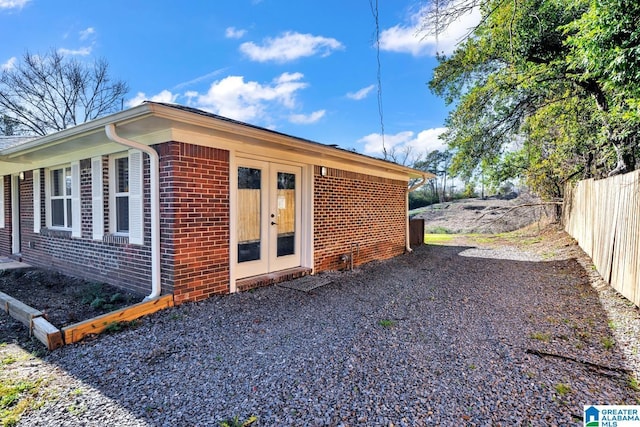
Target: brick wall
pixel 357 208
pixel 194 194
pixel 194 230
pixel 194 197
pixel 111 260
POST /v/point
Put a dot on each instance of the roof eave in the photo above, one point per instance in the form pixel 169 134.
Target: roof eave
pixel 251 131
pixel 168 112
pixel 75 131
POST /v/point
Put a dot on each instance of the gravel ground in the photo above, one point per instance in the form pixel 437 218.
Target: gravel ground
pixel 447 335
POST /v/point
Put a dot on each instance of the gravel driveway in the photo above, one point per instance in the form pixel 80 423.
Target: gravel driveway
pixel 448 335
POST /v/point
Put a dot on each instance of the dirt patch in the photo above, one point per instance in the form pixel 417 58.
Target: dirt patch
pixel 64 300
pixel 490 215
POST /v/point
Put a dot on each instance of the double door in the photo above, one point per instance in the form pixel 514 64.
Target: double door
pixel 268 217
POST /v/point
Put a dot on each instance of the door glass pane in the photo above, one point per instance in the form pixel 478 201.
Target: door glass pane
pixel 286 213
pixel 249 215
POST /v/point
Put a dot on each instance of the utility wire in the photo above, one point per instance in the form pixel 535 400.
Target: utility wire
pixel 374 12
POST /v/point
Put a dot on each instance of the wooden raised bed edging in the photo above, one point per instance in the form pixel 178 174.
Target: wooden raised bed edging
pixel 44 331
pixel 77 331
pixel 53 338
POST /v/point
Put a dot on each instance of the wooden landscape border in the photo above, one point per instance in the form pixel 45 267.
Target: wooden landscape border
pixel 38 326
pixel 77 331
pixel 53 338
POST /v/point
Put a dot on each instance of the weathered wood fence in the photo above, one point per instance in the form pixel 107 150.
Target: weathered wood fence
pixel 604 217
pixel 249 217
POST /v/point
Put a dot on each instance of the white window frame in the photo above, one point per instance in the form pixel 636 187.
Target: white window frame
pixel 114 194
pixel 65 197
pixel 135 195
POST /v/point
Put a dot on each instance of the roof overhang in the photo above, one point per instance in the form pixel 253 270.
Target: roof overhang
pixel 153 123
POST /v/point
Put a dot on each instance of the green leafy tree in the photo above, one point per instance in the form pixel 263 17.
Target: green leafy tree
pixel 605 51
pixel 511 67
pixel 560 79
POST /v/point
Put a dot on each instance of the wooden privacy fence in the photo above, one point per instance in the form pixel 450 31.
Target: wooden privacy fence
pixel 604 217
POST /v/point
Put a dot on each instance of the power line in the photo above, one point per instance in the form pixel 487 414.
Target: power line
pixel 374 12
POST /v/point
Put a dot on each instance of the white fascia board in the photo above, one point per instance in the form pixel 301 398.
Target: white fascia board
pixel 291 155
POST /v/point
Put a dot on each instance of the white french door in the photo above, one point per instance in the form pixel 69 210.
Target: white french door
pixel 268 217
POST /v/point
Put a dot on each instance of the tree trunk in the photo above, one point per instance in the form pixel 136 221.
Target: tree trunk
pixel 625 159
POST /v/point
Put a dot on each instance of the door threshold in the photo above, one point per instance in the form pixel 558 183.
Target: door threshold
pixel 268 279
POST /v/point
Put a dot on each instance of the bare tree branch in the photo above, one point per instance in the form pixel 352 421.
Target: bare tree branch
pixel 513 208
pixel 49 93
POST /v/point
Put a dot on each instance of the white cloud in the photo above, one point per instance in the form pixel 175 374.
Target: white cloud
pixel 10 64
pixel 361 94
pixel 234 33
pixel 234 98
pixel 86 33
pixel 407 38
pixel 191 95
pixel 425 141
pixel 289 47
pixel 374 143
pixel 242 100
pixel 307 119
pixel 13 4
pixel 164 96
pixel 83 51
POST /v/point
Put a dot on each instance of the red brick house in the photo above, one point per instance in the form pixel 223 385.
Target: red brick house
pixel 177 200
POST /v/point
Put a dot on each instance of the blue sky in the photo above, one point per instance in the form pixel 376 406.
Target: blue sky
pixel 308 69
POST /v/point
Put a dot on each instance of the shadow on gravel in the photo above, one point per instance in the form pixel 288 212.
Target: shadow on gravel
pixel 429 338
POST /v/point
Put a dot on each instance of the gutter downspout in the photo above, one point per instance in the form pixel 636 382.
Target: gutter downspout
pixel 154 173
pixel 414 187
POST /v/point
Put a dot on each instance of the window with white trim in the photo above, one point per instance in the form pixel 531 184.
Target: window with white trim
pixel 125 195
pixel 121 194
pixel 60 190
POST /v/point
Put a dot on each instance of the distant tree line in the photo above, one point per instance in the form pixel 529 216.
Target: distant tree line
pixel 543 90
